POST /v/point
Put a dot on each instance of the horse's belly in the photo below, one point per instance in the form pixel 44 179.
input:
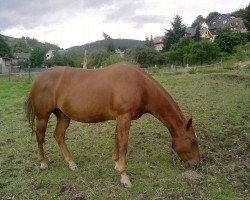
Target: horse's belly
pixel 87 112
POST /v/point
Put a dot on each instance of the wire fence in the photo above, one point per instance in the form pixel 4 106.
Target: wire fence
pixel 14 73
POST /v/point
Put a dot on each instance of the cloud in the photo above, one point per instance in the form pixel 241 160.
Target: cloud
pixel 141 20
pixel 72 22
pixel 133 12
pixel 29 14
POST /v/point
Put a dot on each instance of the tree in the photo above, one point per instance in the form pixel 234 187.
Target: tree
pixel 36 57
pixel 197 36
pixel 108 43
pixel 4 48
pixel 173 35
pixel 198 21
pixel 19 46
pixel 149 43
pixel 245 15
pixel 210 16
pixel 227 39
pixel 247 18
pixel 61 59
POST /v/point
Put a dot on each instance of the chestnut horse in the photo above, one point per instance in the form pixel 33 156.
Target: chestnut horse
pixel 121 92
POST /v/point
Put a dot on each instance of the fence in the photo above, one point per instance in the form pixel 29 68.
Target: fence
pixel 17 72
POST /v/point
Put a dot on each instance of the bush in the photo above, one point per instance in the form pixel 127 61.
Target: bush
pixel 177 51
pixel 224 56
pixel 145 56
pixel 97 58
pixel 227 39
pixel 201 53
pixel 188 52
pixel 241 52
pixel 111 59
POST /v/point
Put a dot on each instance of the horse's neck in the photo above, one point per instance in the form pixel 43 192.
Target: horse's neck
pixel 164 108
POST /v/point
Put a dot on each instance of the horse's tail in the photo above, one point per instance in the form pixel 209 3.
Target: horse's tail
pixel 30 113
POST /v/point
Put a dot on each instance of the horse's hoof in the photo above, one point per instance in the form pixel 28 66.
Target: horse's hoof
pixel 72 166
pixel 126 182
pixel 43 166
pixel 116 166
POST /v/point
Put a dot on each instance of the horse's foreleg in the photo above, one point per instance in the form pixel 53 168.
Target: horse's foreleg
pixel 62 125
pixel 123 126
pixel 116 149
pixel 41 125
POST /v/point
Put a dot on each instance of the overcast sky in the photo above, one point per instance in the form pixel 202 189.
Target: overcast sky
pixel 76 22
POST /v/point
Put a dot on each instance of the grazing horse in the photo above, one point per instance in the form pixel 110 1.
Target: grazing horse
pixel 121 92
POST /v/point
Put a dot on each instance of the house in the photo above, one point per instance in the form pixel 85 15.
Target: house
pixel 204 32
pixel 119 52
pixel 158 43
pixel 237 24
pixel 51 53
pixel 5 65
pixel 227 20
pixel 20 57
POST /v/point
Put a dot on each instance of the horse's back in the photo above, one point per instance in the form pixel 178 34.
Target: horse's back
pixel 92 95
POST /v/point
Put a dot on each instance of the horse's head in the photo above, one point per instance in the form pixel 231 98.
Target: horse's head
pixel 185 145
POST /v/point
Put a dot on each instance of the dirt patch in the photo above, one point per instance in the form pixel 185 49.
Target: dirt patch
pixel 190 176
pixel 68 191
pixel 39 186
pixel 170 194
pixel 158 135
pixel 80 198
pixel 207 158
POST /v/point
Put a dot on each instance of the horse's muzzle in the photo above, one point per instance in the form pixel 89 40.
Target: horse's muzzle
pixel 191 164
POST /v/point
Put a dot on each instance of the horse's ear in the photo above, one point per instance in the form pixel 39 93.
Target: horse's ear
pixel 189 123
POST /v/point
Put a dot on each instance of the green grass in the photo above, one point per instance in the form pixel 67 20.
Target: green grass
pixel 219 101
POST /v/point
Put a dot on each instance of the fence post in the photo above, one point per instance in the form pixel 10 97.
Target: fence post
pixel 10 73
pixel 29 72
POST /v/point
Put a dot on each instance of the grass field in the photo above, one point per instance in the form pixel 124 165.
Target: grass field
pixel 219 100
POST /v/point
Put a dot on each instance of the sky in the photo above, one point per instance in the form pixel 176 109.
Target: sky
pixel 76 22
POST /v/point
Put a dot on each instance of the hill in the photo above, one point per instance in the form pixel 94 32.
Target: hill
pixel 118 43
pixel 26 44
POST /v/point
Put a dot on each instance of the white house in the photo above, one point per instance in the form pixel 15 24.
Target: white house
pixel 51 53
pixel 158 43
pixel 5 65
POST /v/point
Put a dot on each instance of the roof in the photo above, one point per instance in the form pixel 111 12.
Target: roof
pixel 191 31
pixel 158 39
pixel 219 19
pixel 22 56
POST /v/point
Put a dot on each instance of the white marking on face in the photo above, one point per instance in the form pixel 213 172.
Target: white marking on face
pixel 196 135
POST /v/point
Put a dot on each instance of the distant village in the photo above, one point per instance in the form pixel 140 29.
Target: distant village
pixel 206 33
pixel 209 32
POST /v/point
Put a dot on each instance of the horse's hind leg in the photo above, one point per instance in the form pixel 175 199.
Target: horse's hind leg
pixel 41 125
pixel 62 124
